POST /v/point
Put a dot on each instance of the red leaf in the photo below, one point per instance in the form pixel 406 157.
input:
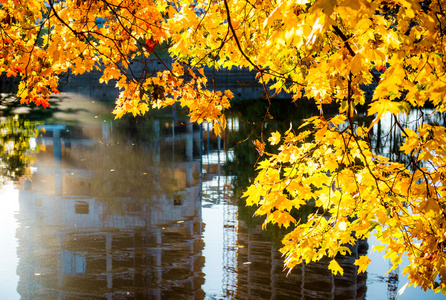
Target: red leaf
pixel 150 45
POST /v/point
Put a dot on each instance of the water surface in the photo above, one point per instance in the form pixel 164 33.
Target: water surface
pixel 149 208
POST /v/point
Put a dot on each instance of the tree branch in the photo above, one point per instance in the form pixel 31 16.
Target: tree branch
pixel 350 50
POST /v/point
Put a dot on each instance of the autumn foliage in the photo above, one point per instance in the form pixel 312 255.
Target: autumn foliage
pixel 325 50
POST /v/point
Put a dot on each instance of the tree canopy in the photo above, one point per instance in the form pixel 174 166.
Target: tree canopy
pixel 329 51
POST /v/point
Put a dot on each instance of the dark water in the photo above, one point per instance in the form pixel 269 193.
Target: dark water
pixel 94 208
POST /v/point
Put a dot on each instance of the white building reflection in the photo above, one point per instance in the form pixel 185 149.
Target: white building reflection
pixel 113 213
pixel 78 241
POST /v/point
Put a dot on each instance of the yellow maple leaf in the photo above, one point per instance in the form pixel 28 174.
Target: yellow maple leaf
pixel 119 112
pixel 217 128
pixel 253 195
pixel 362 262
pixel 143 108
pixel 282 218
pixel 356 64
pixel 275 138
pixel 335 267
pixel 229 94
pixel 135 111
pixel 381 107
pixel 411 141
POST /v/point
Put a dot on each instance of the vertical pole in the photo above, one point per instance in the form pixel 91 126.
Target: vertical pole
pixel 201 175
pixel 208 137
pixel 57 153
pixel 189 162
pixel 109 259
pixel 201 154
pixel 208 141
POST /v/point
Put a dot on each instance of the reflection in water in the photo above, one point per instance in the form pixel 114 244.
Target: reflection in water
pixel 17 144
pixel 131 210
pixel 258 264
pixel 387 137
pixel 95 222
pixel 116 212
pixel 261 276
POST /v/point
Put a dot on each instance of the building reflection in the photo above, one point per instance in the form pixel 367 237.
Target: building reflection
pixel 261 274
pixel 116 213
pixel 86 232
pixel 252 265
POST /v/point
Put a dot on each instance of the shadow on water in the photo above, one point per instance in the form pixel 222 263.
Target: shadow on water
pixel 65 108
pixel 10 105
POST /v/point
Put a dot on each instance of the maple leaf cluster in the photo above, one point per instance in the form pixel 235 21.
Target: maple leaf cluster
pixel 326 51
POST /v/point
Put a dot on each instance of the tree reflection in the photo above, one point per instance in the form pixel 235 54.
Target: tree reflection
pixel 17 147
pixel 281 118
pixel 259 264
